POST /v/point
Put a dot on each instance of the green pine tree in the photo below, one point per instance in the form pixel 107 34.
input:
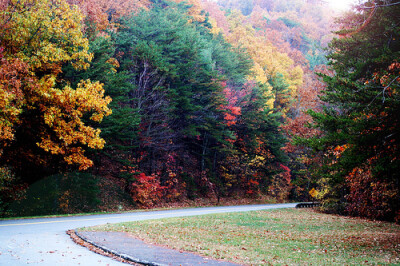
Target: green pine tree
pixel 360 120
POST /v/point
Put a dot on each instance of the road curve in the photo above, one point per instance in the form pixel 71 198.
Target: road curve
pixel 44 241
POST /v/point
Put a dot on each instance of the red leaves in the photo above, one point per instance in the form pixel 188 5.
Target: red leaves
pixel 232 112
pixel 252 187
pixel 286 173
pixel 370 196
pixel 235 110
pixel 147 190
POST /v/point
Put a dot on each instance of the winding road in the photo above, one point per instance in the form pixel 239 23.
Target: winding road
pixel 44 241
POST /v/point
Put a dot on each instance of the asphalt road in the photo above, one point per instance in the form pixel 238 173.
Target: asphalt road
pixel 45 242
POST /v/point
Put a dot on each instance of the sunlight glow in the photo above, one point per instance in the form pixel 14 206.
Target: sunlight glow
pixel 341 5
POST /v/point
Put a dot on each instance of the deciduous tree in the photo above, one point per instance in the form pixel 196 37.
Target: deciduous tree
pixel 45 120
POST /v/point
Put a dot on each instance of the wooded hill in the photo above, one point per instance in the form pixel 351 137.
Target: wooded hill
pixel 163 101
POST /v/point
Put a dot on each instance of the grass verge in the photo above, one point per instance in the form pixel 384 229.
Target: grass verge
pixel 275 237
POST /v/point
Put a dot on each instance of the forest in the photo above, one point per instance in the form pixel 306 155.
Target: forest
pixel 137 103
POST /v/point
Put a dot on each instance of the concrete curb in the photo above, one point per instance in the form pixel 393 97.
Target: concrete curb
pixel 115 253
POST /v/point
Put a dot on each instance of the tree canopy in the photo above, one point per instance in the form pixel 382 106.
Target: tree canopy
pixel 42 120
pixel 360 121
pixel 174 100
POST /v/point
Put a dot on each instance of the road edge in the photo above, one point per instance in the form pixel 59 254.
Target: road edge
pixel 104 251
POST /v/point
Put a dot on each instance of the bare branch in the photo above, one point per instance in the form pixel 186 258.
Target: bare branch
pixel 375 6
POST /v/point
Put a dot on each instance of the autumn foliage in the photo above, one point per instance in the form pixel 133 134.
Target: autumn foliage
pixel 43 119
pixel 147 190
pixel 175 100
pixel 357 150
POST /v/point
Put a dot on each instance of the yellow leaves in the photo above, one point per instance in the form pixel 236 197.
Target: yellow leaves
pixel 268 60
pixel 114 62
pixel 259 73
pixel 195 9
pixel 11 100
pixel 38 39
pixel 51 115
pixel 257 161
pixel 91 97
pixel 313 193
pixel 63 115
pixel 49 146
pixel 214 27
pixel 325 189
pixel 295 79
pixel 77 157
pixel 46 34
pixel 62 111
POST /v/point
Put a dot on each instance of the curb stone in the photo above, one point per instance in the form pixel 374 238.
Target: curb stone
pixel 116 253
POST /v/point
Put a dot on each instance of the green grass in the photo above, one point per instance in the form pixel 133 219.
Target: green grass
pixel 276 237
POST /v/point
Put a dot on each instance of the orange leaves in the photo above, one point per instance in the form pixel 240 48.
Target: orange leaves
pixel 235 110
pixel 394 66
pixel 338 150
pixel 13 73
pixel 103 14
pixel 229 119
pixel 389 79
pixel 77 157
pixel 147 190
pixel 313 193
pixel 370 196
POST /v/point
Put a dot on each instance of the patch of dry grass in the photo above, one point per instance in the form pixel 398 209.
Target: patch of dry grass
pixel 275 237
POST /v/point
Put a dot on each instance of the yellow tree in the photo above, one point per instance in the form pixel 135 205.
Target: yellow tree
pixel 195 10
pixel 268 61
pixel 41 120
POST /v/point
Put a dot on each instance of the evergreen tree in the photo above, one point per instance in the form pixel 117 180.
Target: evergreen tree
pixel 121 127
pixel 360 122
pixel 176 68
